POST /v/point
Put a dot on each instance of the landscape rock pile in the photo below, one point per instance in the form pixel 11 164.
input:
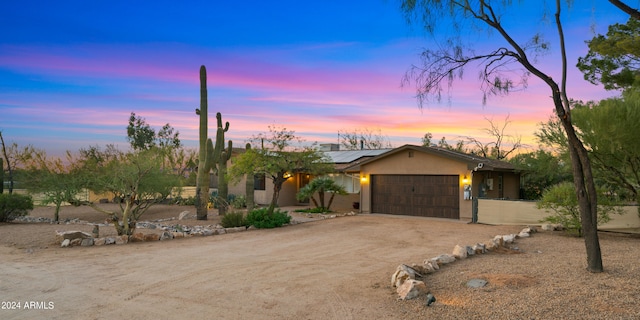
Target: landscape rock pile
pixel 404 278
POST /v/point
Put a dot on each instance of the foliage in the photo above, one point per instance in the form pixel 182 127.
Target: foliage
pixel 13 159
pixel 613 60
pixel 233 219
pixel 561 200
pixel 321 185
pixel 609 129
pixel 189 201
pixel 313 210
pixel 540 170
pixel 142 137
pixel 239 202
pixel 275 155
pixel 263 218
pixel 14 205
pixel 137 178
pixel 363 139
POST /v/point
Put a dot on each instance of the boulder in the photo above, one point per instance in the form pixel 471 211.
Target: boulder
pixel 166 236
pixel 433 262
pixel 177 235
pixel 470 251
pixel 76 242
pixel 137 237
pixel 460 252
pixel 411 289
pixel 183 215
pixel 87 242
pixel 124 239
pixel 151 237
pixel 509 238
pixel 109 240
pixel 444 259
pixel 62 235
pixel 402 274
pixel 479 248
pixel 65 243
pixel 99 241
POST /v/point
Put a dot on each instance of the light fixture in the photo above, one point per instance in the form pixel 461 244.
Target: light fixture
pixel 363 178
pixel 465 180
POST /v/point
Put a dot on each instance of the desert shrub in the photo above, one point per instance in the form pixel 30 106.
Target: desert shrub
pixel 190 201
pixel 233 219
pixel 239 202
pixel 260 218
pixel 562 202
pixel 14 205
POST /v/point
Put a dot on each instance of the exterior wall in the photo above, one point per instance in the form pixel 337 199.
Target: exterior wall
pixel 505 185
pixel 525 213
pixel 419 163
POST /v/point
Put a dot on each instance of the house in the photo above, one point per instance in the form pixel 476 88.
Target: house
pixel 432 182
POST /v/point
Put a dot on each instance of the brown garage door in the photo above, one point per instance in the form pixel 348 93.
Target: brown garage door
pixel 416 195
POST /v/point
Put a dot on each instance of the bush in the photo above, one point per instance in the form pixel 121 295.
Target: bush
pixel 561 200
pixel 233 219
pixel 260 218
pixel 239 202
pixel 13 206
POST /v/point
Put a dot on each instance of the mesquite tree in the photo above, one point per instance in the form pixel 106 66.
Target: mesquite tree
pixel 440 67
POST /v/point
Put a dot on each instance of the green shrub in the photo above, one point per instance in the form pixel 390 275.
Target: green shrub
pixel 14 205
pixel 561 200
pixel 239 202
pixel 233 219
pixel 260 218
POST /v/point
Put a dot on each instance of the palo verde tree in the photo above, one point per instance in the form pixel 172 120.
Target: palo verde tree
pixel 278 155
pixel 498 66
pixel 135 178
pixel 56 180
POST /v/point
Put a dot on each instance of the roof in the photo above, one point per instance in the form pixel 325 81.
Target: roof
pixel 351 158
pixel 474 162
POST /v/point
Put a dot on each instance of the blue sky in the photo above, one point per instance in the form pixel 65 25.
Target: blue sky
pixel 71 72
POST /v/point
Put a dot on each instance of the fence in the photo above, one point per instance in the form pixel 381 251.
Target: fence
pixel 509 212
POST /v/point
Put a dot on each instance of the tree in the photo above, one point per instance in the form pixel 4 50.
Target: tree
pixel 613 60
pixel 321 185
pixel 540 170
pixel 496 149
pixel 135 178
pixel 609 129
pixel 58 181
pixel 276 155
pixel 499 76
pixel 13 158
pixel 426 139
pixel 363 139
pixel 624 7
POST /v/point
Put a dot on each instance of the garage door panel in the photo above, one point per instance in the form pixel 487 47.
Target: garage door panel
pixel 419 195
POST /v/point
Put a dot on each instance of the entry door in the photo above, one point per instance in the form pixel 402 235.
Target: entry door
pixel 416 195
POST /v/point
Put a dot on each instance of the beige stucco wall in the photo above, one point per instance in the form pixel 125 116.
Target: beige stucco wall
pixel 525 213
pixel 420 164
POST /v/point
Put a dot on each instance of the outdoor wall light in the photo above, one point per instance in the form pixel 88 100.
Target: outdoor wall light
pixel 465 180
pixel 363 178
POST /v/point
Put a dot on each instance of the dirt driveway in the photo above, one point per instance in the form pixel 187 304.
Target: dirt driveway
pixel 330 269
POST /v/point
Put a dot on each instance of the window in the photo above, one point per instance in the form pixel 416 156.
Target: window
pixel 259 182
pixel 351 183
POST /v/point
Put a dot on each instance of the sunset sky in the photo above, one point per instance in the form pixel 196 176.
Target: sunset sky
pixel 71 72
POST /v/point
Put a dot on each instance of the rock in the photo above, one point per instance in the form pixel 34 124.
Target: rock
pixel 459 252
pixel 498 241
pixel 411 289
pixel 151 237
pixel 177 235
pixel 430 299
pixel 444 259
pixel 523 234
pixel 476 283
pixel 71 235
pixel 422 269
pixel 207 232
pixel 99 241
pixel 433 262
pixel 87 242
pixel 76 242
pixel 479 248
pixel 509 238
pixel 96 231
pixel 124 239
pixel 470 251
pixel 183 215
pixel 109 240
pixel 222 231
pixel 166 236
pixel 65 243
pixel 137 237
pixel 402 274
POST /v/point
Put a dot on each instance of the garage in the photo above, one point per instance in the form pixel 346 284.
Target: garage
pixel 417 195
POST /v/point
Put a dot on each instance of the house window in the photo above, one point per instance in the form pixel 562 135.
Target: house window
pixel 259 182
pixel 410 154
pixel 351 183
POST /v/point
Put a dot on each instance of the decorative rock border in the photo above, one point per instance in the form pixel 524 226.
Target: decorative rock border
pixel 169 232
pixel 404 278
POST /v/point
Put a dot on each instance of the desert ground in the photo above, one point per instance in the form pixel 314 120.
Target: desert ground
pixel 321 269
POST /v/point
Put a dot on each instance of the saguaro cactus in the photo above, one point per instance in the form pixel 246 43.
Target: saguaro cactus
pixel 207 154
pixel 225 155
